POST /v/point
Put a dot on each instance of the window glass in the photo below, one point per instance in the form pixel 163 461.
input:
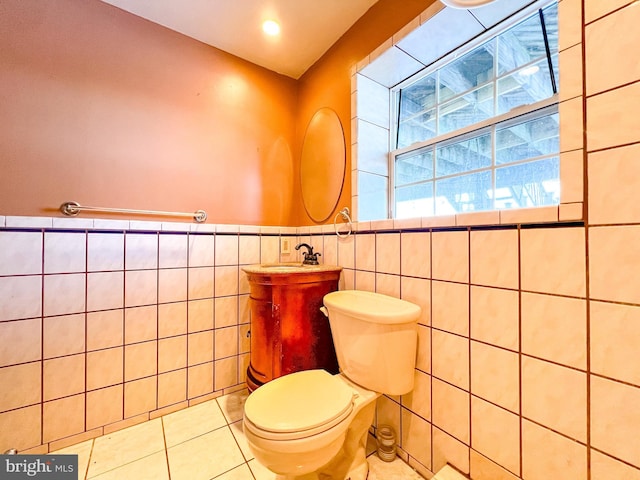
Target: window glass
pixel 481 131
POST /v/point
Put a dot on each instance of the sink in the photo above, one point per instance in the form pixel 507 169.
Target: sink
pixel 288 268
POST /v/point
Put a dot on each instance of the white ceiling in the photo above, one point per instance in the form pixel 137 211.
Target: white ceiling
pixel 309 27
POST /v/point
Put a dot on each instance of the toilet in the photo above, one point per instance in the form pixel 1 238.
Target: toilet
pixel 312 425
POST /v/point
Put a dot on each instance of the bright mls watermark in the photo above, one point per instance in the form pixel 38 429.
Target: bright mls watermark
pixel 50 467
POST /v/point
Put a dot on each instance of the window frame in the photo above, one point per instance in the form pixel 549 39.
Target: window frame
pixel 538 109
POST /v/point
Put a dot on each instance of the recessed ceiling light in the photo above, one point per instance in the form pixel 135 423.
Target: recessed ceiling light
pixel 465 3
pixel 271 27
pixel 532 70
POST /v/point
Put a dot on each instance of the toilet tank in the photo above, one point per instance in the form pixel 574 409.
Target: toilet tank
pixel 376 338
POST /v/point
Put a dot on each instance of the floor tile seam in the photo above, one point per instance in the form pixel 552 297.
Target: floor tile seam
pixel 123 465
pixel 169 447
pixel 246 460
pixel 231 469
pixel 166 450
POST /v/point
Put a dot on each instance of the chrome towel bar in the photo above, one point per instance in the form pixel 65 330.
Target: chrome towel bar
pixel 72 209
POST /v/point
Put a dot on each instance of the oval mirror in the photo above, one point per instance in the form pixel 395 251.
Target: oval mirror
pixel 322 166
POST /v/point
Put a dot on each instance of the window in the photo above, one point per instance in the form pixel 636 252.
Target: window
pixel 480 130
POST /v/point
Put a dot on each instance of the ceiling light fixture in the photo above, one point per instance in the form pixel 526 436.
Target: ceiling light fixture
pixel 465 3
pixel 271 27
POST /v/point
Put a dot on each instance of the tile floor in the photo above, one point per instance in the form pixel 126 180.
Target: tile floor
pixel 202 442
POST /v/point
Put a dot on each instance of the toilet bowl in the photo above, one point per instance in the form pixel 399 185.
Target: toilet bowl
pixel 309 416
pixel 312 425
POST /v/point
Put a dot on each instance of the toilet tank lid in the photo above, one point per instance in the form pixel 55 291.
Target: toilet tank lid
pixel 299 401
pixel 372 307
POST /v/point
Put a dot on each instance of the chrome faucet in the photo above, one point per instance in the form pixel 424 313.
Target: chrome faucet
pixel 310 258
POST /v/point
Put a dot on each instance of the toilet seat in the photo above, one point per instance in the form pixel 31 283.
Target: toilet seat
pixel 298 405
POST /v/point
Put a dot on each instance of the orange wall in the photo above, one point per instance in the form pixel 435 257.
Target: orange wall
pixel 328 82
pixel 104 108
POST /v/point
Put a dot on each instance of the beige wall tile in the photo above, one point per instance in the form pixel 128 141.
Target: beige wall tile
pixel 64 252
pixel 416 437
pixel 226 342
pixel 423 361
pixel 346 251
pixel 529 215
pixel 418 291
pixel 388 253
pixel 244 341
pixel 572 176
pixel 495 316
pixel 141 287
pixel 26 425
pixel 495 375
pixel 570 61
pixel 249 249
pixel 545 454
pixel 105 251
pixel 63 294
pixel 570 23
pixel 25 294
pixel 105 329
pixel 105 290
pixel 555 328
pixel 595 10
pixel 388 284
pixel 484 469
pixel 269 249
pixel 419 399
pixel 62 418
pixel 21 341
pixel 388 412
pixel 365 252
pixel 449 450
pixel 63 376
pixel 226 311
pixel 200 380
pixel 172 319
pixel 172 387
pixel 571 123
pixel 20 253
pixel 416 259
pixel 104 406
pixel 496 434
pixel 450 358
pixel 63 335
pixel 450 256
pixel 226 281
pixel 200 315
pixel 105 367
pixel 172 353
pixel 330 249
pixel 200 283
pixel 555 396
pixel 603 37
pixel 172 285
pixel 568 212
pixel 226 373
pixel 610 118
pixel 553 260
pixel 450 307
pixel 614 186
pixel 140 360
pixel 227 250
pixel 140 396
pixel 26 386
pixel 172 251
pixel 491 217
pixel 200 347
pixel 202 250
pixel 614 347
pixel 615 419
pixel 494 258
pixel 141 251
pixel 140 324
pixel 604 467
pixel 450 410
pixel 365 281
pixel 613 263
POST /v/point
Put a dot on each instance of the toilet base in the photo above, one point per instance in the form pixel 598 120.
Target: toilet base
pixel 351 462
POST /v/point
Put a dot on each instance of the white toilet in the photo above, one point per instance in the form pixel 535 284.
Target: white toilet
pixel 313 425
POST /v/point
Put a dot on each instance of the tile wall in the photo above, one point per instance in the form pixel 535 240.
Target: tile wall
pixel 104 324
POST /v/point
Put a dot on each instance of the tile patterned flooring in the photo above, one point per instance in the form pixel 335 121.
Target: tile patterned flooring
pixel 202 442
